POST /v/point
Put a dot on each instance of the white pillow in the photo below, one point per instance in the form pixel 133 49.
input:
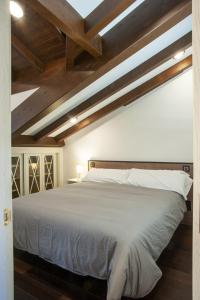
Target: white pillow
pixel 107 175
pixel 177 181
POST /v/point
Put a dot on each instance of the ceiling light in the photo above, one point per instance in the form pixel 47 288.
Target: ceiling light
pixel 179 55
pixel 16 10
pixel 73 120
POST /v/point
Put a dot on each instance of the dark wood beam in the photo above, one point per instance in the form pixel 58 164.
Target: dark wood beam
pixel 27 53
pixel 105 13
pixel 70 53
pixel 20 87
pixel 54 87
pixel 13 74
pixel 62 15
pixel 26 80
pixel 161 16
pixel 140 27
pixel 119 84
pixel 24 76
pixel 61 35
pixel 129 97
pixel 28 141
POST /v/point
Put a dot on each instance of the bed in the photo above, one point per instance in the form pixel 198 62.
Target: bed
pixel 104 230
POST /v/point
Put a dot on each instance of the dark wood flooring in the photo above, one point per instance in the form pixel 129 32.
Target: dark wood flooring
pixel 36 279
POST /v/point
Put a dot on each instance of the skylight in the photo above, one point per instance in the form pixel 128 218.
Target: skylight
pixel 121 16
pixel 84 7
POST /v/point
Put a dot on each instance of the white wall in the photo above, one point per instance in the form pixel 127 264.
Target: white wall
pixel 157 127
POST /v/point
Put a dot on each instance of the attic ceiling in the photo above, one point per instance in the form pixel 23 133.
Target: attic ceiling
pixel 71 60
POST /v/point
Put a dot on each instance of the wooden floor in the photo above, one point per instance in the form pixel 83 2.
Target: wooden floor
pixel 39 280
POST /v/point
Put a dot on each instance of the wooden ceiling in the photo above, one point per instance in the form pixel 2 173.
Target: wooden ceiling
pixel 55 49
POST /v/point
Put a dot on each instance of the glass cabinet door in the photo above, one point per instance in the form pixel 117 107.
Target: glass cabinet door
pixel 49 172
pixel 34 174
pixel 16 177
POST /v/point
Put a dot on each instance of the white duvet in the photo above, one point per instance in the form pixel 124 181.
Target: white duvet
pixel 108 231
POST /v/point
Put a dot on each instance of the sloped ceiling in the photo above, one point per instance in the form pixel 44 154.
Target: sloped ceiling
pixel 18 98
pixel 148 51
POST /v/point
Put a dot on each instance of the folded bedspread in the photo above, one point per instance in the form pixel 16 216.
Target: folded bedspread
pixel 105 230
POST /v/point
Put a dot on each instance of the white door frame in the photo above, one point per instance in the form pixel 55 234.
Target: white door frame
pixel 6 242
pixel 196 198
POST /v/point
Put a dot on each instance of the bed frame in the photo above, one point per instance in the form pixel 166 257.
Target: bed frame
pixel 106 164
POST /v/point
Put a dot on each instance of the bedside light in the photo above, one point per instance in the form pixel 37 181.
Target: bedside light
pixel 178 55
pixel 16 10
pixel 79 171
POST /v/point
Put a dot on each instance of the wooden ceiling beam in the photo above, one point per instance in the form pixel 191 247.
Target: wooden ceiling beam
pixel 135 31
pixel 105 13
pixel 129 97
pixel 62 15
pixel 51 88
pixel 100 17
pixel 119 84
pixel 53 67
pixel 20 87
pixel 70 53
pixel 28 113
pixel 28 141
pixel 13 74
pixel 27 53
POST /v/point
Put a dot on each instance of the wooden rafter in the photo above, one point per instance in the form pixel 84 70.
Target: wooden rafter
pixel 122 82
pixel 20 87
pixel 28 141
pixel 62 15
pixel 13 73
pixel 26 77
pixel 129 97
pixel 27 53
pixel 50 89
pixel 106 12
pixel 168 19
pixel 150 19
pixel 70 53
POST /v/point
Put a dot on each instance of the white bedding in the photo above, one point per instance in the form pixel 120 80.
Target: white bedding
pixel 109 231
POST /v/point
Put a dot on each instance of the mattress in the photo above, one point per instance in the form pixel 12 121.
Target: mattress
pixel 108 231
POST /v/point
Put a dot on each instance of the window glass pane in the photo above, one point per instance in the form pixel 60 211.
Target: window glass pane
pixel 48 172
pixel 34 174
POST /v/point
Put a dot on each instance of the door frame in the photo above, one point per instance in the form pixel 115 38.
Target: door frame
pixel 6 241
pixel 196 143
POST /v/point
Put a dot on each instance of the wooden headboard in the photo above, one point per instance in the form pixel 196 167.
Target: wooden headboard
pixel 106 164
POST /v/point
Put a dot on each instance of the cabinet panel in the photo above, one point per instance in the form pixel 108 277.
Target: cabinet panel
pixel 49 172
pixel 34 174
pixel 17 178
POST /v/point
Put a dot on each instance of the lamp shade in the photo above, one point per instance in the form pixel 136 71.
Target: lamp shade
pixel 79 169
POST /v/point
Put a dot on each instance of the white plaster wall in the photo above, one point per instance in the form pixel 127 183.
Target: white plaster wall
pixel 157 127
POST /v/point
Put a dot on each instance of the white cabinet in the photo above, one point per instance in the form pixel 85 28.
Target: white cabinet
pixel 34 172
pixel 40 172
